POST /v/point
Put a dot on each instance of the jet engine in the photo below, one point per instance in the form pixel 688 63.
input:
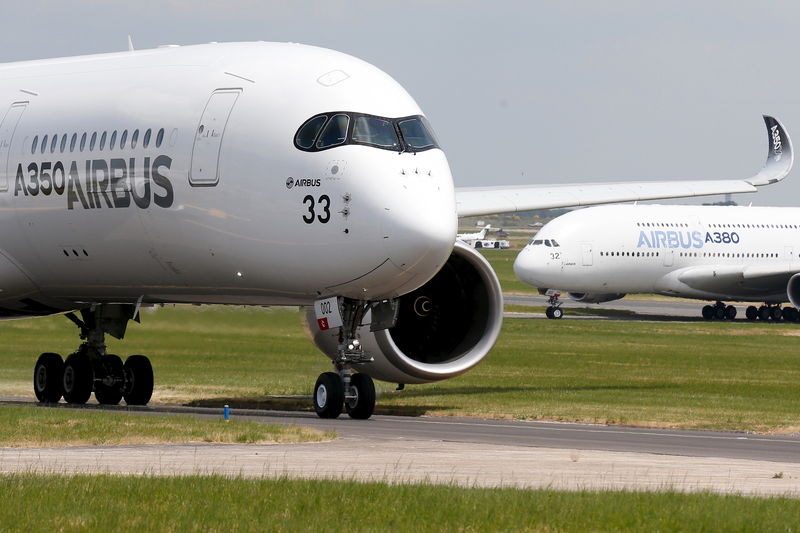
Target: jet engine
pixel 793 290
pixel 594 298
pixel 443 328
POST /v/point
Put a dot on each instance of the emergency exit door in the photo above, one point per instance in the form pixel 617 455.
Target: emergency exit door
pixel 208 137
pixel 7 128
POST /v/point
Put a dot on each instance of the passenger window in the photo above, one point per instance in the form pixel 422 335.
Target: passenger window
pixel 375 131
pixel 93 141
pixel 34 144
pixel 335 131
pixel 72 142
pixel 53 144
pixel 63 143
pixel 134 139
pixel 103 141
pixel 44 144
pixel 123 139
pixel 308 132
pixel 146 140
pixel 83 141
pixel 159 138
pixel 113 142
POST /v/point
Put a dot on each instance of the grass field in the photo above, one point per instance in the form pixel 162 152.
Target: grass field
pixel 739 376
pixel 34 426
pixel 213 504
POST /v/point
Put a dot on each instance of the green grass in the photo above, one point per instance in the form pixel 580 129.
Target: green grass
pixel 209 504
pixel 721 375
pixel 35 426
pixel 502 262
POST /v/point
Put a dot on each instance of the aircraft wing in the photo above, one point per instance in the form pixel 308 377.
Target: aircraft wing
pixel 736 279
pixel 472 201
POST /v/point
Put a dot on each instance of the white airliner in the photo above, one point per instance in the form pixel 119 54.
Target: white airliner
pixel 475 236
pixel 713 253
pixel 255 174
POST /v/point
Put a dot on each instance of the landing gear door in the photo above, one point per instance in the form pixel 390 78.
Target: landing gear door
pixel 7 128
pixel 208 137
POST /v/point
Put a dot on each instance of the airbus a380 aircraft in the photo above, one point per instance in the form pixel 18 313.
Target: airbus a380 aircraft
pixel 251 174
pixel 705 252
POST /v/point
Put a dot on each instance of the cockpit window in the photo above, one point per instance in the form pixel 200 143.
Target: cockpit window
pixel 404 134
pixel 417 133
pixel 335 132
pixel 375 131
pixel 307 134
pixel 537 242
pixel 554 243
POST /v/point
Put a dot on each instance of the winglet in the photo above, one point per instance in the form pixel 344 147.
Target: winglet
pixel 780 156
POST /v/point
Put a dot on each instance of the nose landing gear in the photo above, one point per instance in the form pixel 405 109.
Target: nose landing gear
pixel 90 369
pixel 553 310
pixel 342 389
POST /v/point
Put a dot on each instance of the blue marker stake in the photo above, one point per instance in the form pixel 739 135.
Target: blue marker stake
pixel 227 414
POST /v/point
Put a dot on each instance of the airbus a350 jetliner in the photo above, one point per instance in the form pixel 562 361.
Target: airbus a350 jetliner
pixel 704 252
pixel 251 174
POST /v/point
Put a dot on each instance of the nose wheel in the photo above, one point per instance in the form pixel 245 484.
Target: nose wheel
pixel 553 310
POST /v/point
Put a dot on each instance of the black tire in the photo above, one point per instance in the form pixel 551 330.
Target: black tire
pixel 48 378
pixel 776 313
pixel 363 405
pixel 751 312
pixel 138 388
pixel 112 368
pixel 328 395
pixel 763 313
pixel 794 315
pixel 78 378
pixel 556 313
pixel 708 312
pixel 730 312
pixel 548 312
pixel 719 312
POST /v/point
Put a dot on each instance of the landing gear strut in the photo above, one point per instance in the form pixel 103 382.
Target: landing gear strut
pixel 342 389
pixel 554 306
pixel 90 369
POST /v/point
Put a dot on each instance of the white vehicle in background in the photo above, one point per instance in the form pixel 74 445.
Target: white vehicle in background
pixel 498 244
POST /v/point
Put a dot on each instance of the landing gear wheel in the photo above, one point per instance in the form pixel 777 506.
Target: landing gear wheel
pixel 328 395
pixel 548 312
pixel 719 312
pixel 789 314
pixel 763 312
pixel 48 378
pixel 138 388
pixel 776 313
pixel 556 313
pixel 708 312
pixel 78 378
pixel 751 312
pixel 108 391
pixel 730 312
pixel 363 405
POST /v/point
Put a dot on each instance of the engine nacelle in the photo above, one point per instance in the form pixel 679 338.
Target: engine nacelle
pixel 443 328
pixel 793 290
pixel 594 298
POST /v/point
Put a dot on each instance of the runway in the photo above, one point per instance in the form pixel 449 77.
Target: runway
pixel 458 450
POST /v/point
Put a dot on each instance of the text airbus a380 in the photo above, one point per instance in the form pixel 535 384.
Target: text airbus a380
pixel 718 253
pixel 250 174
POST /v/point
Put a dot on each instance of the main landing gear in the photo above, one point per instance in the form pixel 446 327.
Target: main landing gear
pixel 90 369
pixel 343 389
pixel 554 307
pixel 719 311
pixel 774 313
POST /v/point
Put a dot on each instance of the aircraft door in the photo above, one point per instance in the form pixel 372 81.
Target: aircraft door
pixel 586 254
pixel 789 252
pixel 208 137
pixel 7 128
pixel 669 257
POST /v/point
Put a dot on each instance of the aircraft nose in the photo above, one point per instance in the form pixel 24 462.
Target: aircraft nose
pixel 529 268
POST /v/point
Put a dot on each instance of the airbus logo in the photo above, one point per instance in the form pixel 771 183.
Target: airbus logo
pixel 289 182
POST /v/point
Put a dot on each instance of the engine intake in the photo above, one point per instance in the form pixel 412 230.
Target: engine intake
pixel 443 328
